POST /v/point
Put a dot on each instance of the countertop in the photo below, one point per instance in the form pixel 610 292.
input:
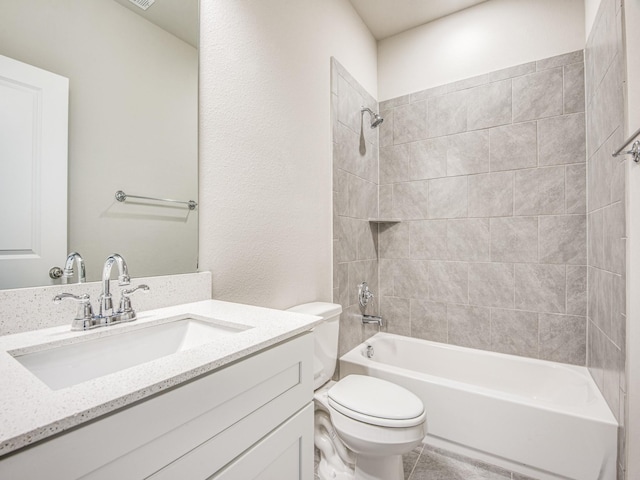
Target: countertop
pixel 31 411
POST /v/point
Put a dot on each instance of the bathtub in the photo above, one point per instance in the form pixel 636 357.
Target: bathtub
pixel 542 419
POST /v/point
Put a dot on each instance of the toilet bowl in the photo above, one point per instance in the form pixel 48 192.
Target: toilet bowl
pixel 363 425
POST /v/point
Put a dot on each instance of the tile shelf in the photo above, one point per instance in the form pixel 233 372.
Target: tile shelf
pixel 385 220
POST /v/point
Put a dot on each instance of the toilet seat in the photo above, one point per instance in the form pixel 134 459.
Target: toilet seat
pixel 376 402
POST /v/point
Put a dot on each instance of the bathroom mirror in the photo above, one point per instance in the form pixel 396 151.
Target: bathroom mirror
pixel 133 124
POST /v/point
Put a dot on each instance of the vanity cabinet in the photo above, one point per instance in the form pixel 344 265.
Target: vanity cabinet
pixel 252 419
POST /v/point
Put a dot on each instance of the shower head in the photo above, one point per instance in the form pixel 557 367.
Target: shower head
pixel 375 118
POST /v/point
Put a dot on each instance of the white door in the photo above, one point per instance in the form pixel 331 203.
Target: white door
pixel 34 106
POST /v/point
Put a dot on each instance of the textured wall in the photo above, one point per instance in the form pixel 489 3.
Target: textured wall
pixel 355 201
pixel 488 175
pixel 481 39
pixel 265 144
pixel 604 68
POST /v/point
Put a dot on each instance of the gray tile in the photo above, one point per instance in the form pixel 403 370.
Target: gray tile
pixel 428 159
pixel 491 195
pixel 513 146
pixel 346 155
pixel 385 202
pixel 595 360
pixel 540 288
pixel 576 188
pixel 448 197
pixel 468 240
pixel 595 239
pixel 410 200
pixel 469 326
pixel 393 240
pixel 366 240
pixel 429 320
pixel 613 365
pixel 410 123
pixel 363 198
pixel 438 464
pixel 349 104
pixel 396 315
pixel 489 105
pixel 574 88
pixel 539 191
pixel 491 284
pixel 561 140
pixel 447 114
pixel 563 239
pixel 341 189
pixel 386 128
pixel 351 331
pixel 448 282
pixel 514 332
pixel 537 95
pixel 394 102
pixel 511 72
pixel 618 307
pixel 560 60
pixel 429 239
pixel 562 338
pixel 409 278
pixel 467 83
pixel 409 460
pixel 514 239
pixel 428 93
pixel 394 164
pixel 576 290
pixel 346 235
pixel 599 175
pixel 614 238
pixel 468 153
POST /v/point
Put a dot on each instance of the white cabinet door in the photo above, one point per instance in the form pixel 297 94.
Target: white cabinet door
pixel 34 107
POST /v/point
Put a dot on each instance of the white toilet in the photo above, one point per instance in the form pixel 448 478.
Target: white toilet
pixel 363 425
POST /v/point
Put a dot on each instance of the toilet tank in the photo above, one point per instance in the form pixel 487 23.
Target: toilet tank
pixel 325 353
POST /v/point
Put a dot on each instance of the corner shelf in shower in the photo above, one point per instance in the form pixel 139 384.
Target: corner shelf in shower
pixel 385 220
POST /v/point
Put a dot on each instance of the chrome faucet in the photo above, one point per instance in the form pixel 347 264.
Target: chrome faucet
pixel 68 268
pixel 364 297
pixel 106 300
pixel 85 318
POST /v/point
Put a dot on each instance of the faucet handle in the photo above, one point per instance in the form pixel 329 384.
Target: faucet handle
pixel 125 299
pixel 84 314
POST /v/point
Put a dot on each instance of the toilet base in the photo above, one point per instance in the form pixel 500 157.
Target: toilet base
pixel 379 468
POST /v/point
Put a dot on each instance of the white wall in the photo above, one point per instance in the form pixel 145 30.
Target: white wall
pixel 133 113
pixel 590 12
pixel 487 37
pixel 632 41
pixel 265 144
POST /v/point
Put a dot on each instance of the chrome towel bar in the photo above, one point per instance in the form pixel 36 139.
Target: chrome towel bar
pixel 121 197
pixel 635 148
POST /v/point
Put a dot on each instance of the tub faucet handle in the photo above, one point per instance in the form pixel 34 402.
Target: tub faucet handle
pixel 364 294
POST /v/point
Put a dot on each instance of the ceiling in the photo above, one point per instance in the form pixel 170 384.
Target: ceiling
pixel 178 17
pixel 388 17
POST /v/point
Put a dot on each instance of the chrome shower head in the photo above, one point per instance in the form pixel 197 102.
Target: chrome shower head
pixel 375 118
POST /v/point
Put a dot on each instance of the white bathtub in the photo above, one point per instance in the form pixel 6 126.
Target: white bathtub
pixel 542 419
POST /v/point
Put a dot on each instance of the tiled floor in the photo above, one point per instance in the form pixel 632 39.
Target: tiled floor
pixel 427 463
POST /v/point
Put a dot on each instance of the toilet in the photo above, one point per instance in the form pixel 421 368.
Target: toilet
pixel 363 425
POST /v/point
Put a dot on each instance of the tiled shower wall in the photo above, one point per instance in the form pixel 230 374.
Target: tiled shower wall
pixel 355 201
pixel 604 67
pixel 488 177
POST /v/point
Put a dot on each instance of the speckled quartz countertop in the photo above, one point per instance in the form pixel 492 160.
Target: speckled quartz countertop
pixel 31 411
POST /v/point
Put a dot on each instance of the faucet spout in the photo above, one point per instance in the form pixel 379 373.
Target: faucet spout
pixel 68 267
pixel 106 301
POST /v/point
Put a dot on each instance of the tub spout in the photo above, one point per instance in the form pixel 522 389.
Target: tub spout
pixel 372 319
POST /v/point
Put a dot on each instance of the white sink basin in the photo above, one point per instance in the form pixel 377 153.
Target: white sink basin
pixel 68 365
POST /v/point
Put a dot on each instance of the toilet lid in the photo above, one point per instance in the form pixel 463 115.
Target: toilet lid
pixel 377 402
